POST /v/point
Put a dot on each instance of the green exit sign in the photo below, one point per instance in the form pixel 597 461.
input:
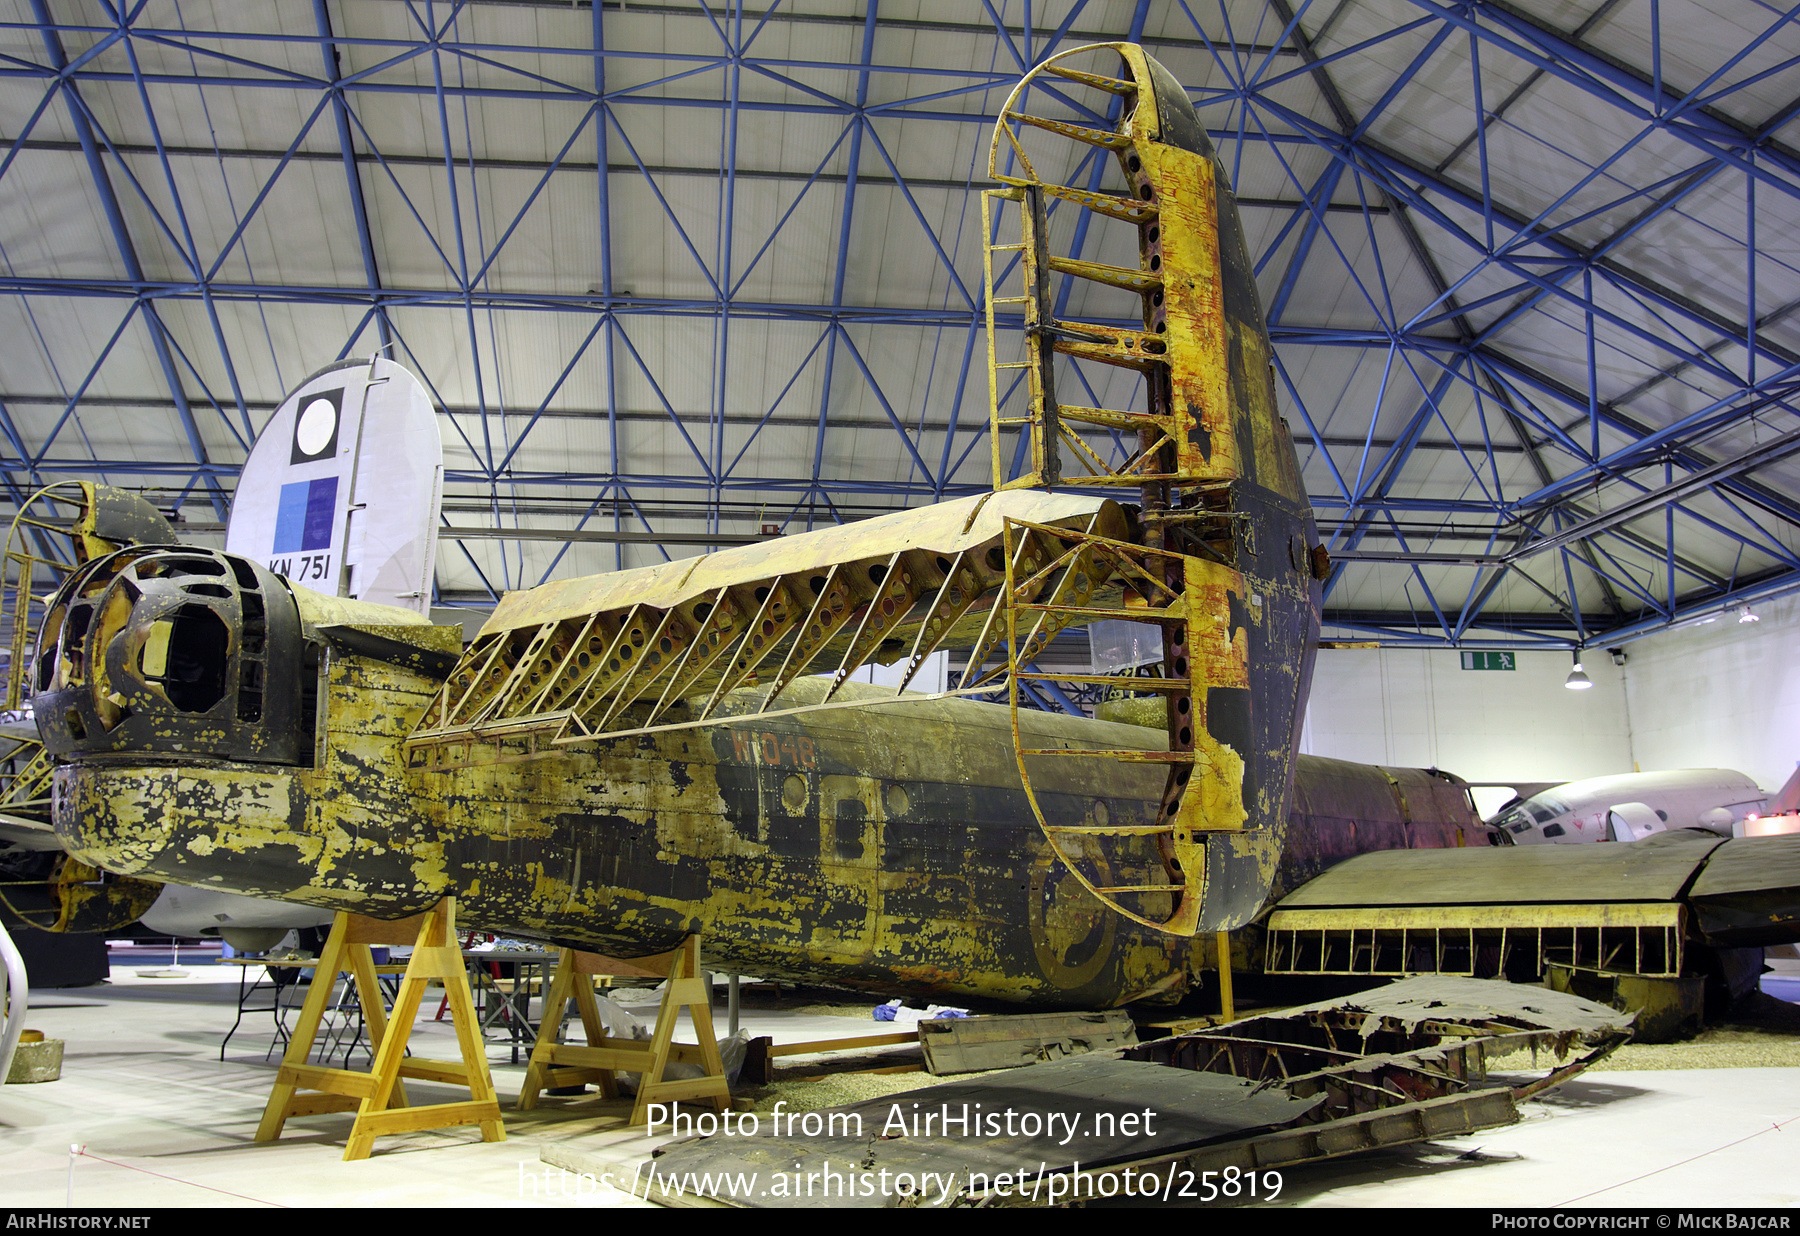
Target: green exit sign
pixel 1488 661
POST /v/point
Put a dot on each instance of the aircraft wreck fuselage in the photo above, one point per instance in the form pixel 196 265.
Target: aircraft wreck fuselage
pixel 221 729
pixel 888 847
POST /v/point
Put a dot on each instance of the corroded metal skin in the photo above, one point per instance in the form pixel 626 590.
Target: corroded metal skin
pixel 1228 560
pixel 557 778
pixel 58 893
pixel 886 848
pixel 171 648
pixel 1221 556
pixel 1275 547
pixel 89 900
pixel 1341 809
pixel 74 896
pixel 111 519
pixel 106 519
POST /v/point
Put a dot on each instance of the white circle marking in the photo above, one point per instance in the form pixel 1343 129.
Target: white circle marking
pixel 317 421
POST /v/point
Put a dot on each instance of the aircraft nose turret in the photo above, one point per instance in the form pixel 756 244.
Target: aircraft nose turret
pixel 175 650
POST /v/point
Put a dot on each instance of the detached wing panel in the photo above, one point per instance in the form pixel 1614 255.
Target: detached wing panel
pixel 1632 908
pixel 1748 894
pixel 1657 869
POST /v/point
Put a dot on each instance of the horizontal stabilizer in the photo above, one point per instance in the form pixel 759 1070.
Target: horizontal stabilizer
pixel 1748 894
pixel 1611 906
pixel 1657 869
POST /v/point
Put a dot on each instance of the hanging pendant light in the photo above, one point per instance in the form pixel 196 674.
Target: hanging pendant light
pixel 1577 679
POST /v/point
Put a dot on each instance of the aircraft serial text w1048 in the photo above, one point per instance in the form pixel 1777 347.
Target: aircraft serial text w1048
pixel 619 761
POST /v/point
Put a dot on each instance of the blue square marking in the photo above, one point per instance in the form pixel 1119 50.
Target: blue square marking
pixel 304 515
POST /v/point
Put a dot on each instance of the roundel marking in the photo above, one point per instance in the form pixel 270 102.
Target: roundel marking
pixel 317 421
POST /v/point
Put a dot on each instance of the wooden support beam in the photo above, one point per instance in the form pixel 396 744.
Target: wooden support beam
pixel 603 1058
pixel 377 1097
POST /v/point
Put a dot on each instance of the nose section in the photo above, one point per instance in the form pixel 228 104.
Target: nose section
pixel 172 650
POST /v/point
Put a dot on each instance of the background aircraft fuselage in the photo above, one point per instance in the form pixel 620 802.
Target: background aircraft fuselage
pixel 1631 806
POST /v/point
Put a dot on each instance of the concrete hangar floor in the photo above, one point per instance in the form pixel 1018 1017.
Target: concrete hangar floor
pixel 162 1121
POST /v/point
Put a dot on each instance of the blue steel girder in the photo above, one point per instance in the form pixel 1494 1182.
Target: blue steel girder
pixel 1386 473
pixel 1399 171
pixel 828 333
pixel 870 314
pixel 1668 298
pixel 1315 67
pixel 1394 173
pixel 1627 91
pixel 1483 585
pixel 1554 629
pixel 1486 209
pixel 79 119
pixel 603 211
pixel 1621 575
pixel 1508 399
pixel 840 271
pixel 359 210
pixel 189 247
pixel 1407 191
pixel 1651 443
pixel 1684 184
pixel 1587 546
pixel 1676 430
pixel 600 323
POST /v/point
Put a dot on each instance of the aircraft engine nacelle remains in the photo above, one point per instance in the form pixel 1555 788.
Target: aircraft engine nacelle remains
pixel 172 649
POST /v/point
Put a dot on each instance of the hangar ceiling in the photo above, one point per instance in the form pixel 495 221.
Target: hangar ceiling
pixel 678 271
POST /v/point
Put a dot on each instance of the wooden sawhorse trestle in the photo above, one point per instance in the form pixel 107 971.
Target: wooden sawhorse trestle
pixel 554 1063
pixel 303 1089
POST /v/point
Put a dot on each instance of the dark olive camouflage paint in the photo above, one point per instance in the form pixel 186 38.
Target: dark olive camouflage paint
pixel 1274 544
pixel 885 848
pixel 893 848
